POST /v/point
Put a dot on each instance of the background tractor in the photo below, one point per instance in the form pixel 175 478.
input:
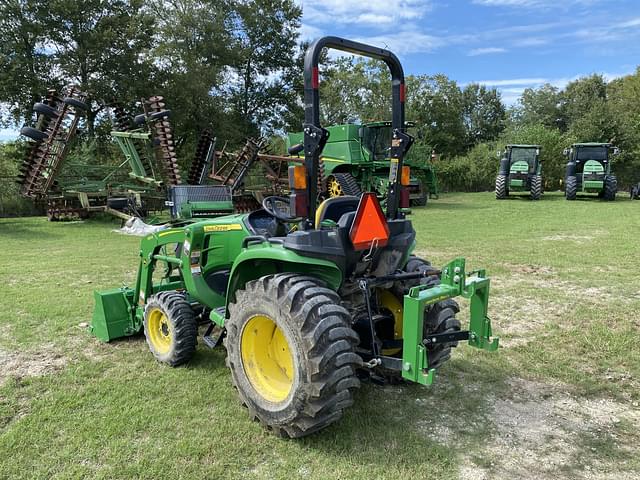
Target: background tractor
pixel 356 158
pixel 308 299
pixel 589 170
pixel 520 172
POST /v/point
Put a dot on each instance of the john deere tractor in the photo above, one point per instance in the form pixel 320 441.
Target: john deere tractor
pixel 589 170
pixel 520 172
pixel 356 158
pixel 307 299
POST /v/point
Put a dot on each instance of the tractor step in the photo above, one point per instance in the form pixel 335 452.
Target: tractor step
pixel 214 333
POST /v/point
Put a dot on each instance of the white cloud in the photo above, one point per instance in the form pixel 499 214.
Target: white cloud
pixel 511 89
pixel 485 51
pixel 534 3
pixel 371 12
pixel 405 42
pixel 513 81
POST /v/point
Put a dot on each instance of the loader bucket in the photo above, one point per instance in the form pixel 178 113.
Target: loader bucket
pixel 113 315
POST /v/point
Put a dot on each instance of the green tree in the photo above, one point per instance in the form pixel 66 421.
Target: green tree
pixel 25 63
pixel 540 106
pixel 266 33
pixel 101 46
pixel 435 103
pixel 483 113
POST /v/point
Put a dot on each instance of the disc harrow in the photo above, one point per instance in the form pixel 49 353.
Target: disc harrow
pixel 56 125
pixel 203 158
pixel 163 138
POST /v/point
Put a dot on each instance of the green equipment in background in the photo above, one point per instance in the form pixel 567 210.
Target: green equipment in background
pixel 520 172
pixel 308 299
pixel 356 158
pixel 589 170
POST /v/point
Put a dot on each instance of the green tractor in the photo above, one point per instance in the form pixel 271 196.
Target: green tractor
pixel 356 158
pixel 520 172
pixel 589 170
pixel 308 299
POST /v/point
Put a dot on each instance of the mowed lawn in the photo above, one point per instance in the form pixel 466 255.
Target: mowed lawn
pixel 560 398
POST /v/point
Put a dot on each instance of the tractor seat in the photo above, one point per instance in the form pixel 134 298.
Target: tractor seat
pixel 334 208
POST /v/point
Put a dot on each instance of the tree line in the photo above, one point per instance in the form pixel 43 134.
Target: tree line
pixel 236 68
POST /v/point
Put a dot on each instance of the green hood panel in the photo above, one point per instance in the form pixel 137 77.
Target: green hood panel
pixel 593 166
pixel 519 167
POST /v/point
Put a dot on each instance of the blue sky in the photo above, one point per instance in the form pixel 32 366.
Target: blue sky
pixel 509 44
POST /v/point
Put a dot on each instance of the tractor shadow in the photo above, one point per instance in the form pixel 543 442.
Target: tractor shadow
pixel 407 425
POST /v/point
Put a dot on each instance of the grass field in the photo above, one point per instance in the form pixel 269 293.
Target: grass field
pixel 560 399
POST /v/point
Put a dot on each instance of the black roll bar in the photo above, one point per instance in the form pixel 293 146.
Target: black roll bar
pixel 315 136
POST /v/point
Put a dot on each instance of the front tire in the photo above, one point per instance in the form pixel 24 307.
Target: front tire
pixel 571 188
pixel 610 187
pixel 290 349
pixel 170 328
pixel 501 187
pixel 536 187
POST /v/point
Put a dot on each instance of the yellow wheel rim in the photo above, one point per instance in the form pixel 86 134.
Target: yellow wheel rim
pixel 267 358
pixel 389 301
pixel 334 188
pixel 159 331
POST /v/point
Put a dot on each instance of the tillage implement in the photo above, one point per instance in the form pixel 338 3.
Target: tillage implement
pixel 308 299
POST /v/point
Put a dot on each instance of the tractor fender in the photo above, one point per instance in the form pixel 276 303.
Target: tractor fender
pixel 571 169
pixel 504 166
pixel 265 258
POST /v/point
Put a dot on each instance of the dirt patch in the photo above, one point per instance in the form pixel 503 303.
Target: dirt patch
pixel 29 364
pixel 543 431
pixel 572 238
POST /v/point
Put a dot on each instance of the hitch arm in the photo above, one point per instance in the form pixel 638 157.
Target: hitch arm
pixel 454 282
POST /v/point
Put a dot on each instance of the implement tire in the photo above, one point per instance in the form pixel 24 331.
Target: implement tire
pixel 536 187
pixel 610 188
pixel 290 349
pixel 571 188
pixel 170 328
pixel 439 318
pixel 501 187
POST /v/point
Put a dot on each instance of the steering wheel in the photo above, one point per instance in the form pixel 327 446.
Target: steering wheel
pixel 279 208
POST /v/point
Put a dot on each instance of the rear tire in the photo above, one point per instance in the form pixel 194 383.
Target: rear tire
pixel 610 188
pixel 571 188
pixel 312 344
pixel 170 328
pixel 536 187
pixel 501 187
pixel 422 200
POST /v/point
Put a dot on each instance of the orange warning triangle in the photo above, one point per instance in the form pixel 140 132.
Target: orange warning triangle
pixel 369 228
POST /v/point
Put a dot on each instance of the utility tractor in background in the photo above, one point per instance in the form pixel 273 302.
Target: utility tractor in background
pixel 356 159
pixel 589 170
pixel 308 299
pixel 520 172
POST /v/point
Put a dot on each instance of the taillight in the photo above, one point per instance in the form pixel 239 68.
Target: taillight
pixel 404 197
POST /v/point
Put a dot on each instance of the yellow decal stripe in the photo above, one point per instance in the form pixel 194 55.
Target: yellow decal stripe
pixel 222 228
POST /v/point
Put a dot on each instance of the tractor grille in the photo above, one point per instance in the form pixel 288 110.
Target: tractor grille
pixel 179 194
pixel 593 176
